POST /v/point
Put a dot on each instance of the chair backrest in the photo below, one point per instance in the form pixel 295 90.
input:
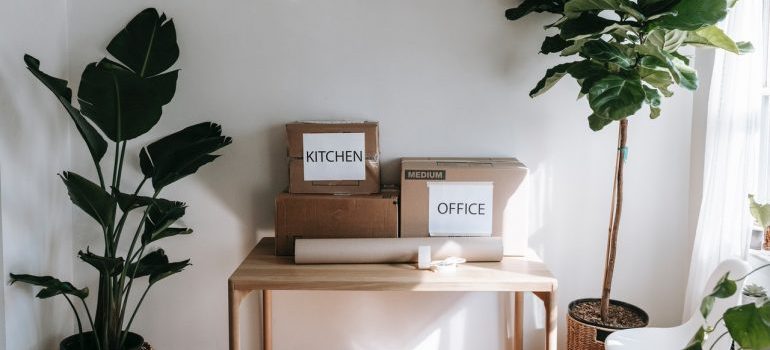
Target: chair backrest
pixel 737 269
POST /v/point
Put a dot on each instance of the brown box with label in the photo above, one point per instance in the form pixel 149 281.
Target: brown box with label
pixel 334 216
pixel 509 202
pixel 371 157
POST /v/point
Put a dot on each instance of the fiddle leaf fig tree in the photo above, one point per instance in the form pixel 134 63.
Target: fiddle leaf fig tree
pixel 122 99
pixel 626 56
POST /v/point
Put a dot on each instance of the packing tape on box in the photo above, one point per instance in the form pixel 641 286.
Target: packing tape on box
pixel 394 250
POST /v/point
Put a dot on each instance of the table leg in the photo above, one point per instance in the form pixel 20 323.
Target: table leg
pixel 549 302
pixel 518 321
pixel 234 298
pixel 267 320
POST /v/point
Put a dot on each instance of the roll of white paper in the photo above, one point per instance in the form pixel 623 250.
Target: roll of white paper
pixel 394 250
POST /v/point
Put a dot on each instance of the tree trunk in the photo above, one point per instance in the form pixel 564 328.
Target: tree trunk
pixel 616 208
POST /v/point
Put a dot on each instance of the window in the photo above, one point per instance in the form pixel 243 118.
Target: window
pixel 764 166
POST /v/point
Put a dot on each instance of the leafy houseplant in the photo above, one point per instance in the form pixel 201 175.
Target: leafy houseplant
pixel 761 214
pixel 627 55
pixel 748 325
pixel 124 100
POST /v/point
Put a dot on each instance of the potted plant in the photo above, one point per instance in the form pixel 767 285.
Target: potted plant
pixel 761 214
pixel 626 55
pixel 124 99
pixel 748 325
pixel 754 293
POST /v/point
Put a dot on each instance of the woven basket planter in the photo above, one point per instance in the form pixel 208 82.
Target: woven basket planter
pixel 588 336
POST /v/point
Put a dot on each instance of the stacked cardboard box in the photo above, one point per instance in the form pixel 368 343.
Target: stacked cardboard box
pixel 445 197
pixel 334 185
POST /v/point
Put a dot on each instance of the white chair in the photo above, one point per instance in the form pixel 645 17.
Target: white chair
pixel 676 338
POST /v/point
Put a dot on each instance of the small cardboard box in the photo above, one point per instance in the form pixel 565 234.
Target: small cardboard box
pixel 465 197
pixel 333 157
pixel 334 216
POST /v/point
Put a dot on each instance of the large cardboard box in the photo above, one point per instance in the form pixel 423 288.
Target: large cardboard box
pixel 465 197
pixel 333 157
pixel 334 216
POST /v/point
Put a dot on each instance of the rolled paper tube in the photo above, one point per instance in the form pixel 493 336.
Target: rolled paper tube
pixel 394 250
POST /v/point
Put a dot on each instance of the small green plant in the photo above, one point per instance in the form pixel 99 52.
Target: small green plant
pixel 124 100
pixel 760 212
pixel 755 291
pixel 748 325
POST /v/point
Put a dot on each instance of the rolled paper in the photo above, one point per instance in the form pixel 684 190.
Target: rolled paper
pixel 395 250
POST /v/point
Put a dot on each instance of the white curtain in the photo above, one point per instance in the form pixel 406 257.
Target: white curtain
pixel 732 150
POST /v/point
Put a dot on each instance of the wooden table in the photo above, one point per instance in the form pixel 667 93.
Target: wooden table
pixel 263 271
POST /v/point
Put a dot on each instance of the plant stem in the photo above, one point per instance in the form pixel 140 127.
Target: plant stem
pixel 752 271
pixel 115 164
pixel 120 163
pixel 119 228
pixel 131 320
pixel 91 321
pixel 101 176
pixel 717 341
pixel 127 291
pixel 77 317
pixel 617 208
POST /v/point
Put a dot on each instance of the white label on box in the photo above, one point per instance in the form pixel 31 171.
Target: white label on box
pixel 460 208
pixel 334 156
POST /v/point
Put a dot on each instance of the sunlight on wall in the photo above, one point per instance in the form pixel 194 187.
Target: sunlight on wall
pixel 431 342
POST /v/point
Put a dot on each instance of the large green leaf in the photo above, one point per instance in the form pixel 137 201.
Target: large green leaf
pixel 552 76
pixel 660 79
pixel 724 288
pixel 760 212
pixel 587 73
pixel 696 343
pixel 749 325
pixel 128 202
pixel 694 14
pixel 95 143
pixel 652 98
pixel 91 198
pixel 160 216
pixel 605 52
pixel 616 97
pixel 667 40
pixel 574 8
pixel 147 264
pixel 585 24
pixel 688 75
pixel 147 44
pixel 597 123
pixel 167 270
pixel 656 7
pixel 156 265
pixel 712 36
pixel 51 286
pixel 106 265
pixel 181 153
pixel 119 102
pixel 683 74
pixel 167 232
pixel 529 6
pixel 554 43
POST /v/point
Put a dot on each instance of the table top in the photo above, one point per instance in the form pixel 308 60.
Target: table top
pixel 262 270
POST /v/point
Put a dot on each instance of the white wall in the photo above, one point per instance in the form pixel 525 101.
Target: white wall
pixel 443 77
pixel 34 147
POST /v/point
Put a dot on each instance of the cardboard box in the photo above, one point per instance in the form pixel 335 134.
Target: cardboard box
pixel 465 197
pixel 333 157
pixel 334 216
